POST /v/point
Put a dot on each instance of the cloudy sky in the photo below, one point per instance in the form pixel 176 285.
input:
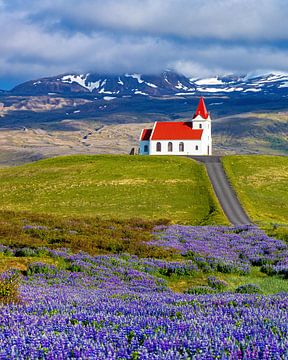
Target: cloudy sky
pixel 196 37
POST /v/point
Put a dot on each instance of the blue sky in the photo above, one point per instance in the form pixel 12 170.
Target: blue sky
pixel 197 38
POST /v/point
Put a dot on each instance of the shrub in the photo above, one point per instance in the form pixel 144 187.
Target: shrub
pixel 248 289
pixel 8 252
pixel 217 284
pixel 268 269
pixel 225 268
pixel 41 268
pixel 200 290
pixel 25 252
pixel 178 268
pixel 9 284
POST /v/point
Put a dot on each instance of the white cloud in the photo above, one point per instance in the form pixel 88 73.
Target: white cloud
pixel 220 19
pixel 194 69
pixel 197 38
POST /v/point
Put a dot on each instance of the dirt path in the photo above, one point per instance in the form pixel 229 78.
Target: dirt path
pixel 223 190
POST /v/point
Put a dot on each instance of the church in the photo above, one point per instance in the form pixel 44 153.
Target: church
pixel 179 138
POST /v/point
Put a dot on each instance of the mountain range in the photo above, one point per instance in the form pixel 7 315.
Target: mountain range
pixel 166 84
pixel 249 112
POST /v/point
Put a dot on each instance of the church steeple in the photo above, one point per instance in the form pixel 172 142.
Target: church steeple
pixel 201 110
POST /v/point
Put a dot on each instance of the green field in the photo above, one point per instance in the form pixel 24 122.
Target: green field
pixel 261 183
pixel 119 187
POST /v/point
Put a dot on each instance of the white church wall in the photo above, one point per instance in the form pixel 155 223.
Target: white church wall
pixel 191 147
pixel 205 125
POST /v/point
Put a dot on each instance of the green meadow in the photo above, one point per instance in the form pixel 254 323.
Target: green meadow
pixel 107 186
pixel 261 184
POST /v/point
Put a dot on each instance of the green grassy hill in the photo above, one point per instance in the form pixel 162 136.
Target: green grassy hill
pixel 121 187
pixel 261 183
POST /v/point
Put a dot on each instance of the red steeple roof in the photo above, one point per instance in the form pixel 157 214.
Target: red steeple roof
pixel 201 109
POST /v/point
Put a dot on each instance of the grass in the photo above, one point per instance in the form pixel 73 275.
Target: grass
pixel 9 287
pixel 21 263
pixel 261 183
pixel 108 186
pixel 268 284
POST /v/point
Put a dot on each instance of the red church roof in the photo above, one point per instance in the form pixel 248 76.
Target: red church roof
pixel 175 131
pixel 201 109
pixel 145 135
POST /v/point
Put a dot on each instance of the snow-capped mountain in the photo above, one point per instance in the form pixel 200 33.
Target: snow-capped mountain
pixel 166 84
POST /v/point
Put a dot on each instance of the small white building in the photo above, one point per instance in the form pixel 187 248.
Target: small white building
pixel 179 138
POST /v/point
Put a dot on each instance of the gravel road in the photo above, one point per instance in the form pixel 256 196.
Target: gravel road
pixel 223 190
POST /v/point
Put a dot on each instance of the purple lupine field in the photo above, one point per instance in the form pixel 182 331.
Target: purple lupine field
pixel 120 306
pixel 238 247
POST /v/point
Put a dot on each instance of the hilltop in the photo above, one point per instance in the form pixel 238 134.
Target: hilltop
pixel 119 187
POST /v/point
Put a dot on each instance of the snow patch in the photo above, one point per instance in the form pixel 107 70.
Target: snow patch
pixel 252 90
pixel 215 90
pixel 103 91
pixel 151 85
pixel 209 81
pixel 109 98
pixel 138 92
pixel 94 85
pixel 180 86
pixel 79 79
pixel 186 93
pixel 136 76
pixel 82 81
pixel 285 84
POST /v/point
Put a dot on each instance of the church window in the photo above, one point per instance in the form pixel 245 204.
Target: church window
pixel 181 147
pixel 200 126
pixel 158 147
pixel 196 147
pixel 170 147
pixel 145 148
